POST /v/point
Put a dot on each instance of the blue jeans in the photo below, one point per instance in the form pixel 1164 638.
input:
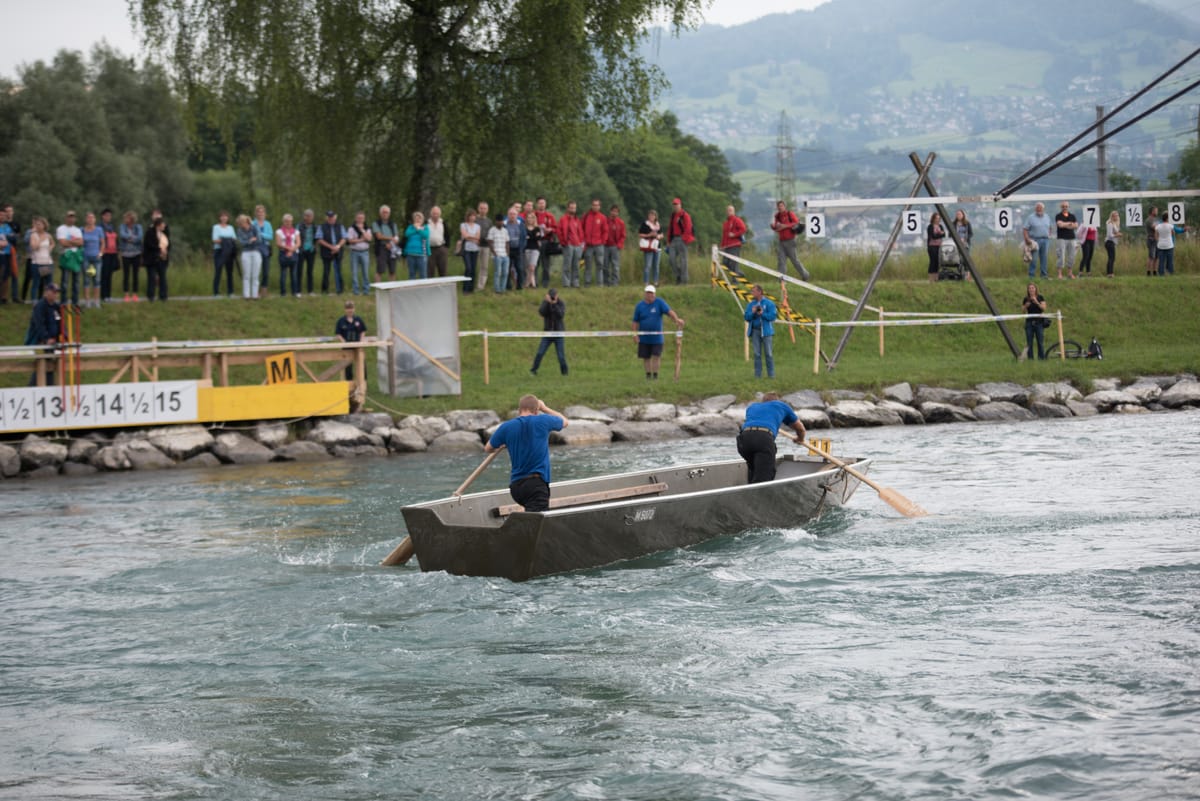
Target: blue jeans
pixel 650 266
pixel 1166 261
pixel 333 263
pixel 763 347
pixel 559 349
pixel 289 268
pixel 360 264
pixel 501 280
pixel 1043 252
pixel 1034 330
pixel 470 259
pixel 418 266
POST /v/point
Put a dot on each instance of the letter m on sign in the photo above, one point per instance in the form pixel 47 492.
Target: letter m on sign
pixel 281 369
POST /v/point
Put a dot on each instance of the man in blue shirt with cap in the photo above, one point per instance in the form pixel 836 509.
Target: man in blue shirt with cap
pixel 756 442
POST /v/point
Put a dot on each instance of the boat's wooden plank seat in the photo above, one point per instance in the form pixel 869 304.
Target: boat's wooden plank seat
pixel 587 497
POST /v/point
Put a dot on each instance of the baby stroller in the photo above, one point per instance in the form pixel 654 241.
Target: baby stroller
pixel 949 263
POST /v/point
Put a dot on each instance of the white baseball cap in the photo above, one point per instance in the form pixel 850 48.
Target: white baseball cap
pixel 650 288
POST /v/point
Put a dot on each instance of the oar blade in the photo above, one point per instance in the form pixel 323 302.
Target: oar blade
pixel 901 504
pixel 401 554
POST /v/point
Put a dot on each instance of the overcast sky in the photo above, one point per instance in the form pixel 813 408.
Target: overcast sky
pixel 38 30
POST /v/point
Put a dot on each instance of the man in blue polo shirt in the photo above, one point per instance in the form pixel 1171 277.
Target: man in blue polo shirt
pixel 647 327
pixel 527 437
pixel 756 442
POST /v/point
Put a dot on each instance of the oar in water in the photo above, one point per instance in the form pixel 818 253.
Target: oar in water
pixel 892 498
pixel 404 551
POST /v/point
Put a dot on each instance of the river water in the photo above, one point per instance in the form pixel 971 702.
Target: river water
pixel 227 634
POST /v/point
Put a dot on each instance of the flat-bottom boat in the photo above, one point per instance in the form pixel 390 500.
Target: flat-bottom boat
pixel 599 521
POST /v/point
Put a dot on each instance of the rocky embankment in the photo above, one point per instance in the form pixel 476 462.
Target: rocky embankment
pixel 378 434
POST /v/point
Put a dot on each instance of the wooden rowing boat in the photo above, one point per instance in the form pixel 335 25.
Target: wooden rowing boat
pixel 607 519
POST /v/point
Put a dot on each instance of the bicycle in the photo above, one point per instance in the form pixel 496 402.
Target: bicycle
pixel 1073 350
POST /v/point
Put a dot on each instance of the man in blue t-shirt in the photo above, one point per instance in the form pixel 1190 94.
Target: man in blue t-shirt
pixel 756 442
pixel 527 438
pixel 648 329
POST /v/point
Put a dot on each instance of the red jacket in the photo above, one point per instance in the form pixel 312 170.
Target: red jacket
pixel 570 230
pixel 546 220
pixel 681 228
pixel 616 233
pixel 784 220
pixel 732 232
pixel 595 228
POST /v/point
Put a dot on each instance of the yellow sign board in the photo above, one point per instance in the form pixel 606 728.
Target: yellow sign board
pixel 281 369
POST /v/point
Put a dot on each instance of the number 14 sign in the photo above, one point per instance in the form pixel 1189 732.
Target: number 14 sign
pixel 98 405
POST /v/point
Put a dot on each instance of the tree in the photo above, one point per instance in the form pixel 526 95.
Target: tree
pixel 440 96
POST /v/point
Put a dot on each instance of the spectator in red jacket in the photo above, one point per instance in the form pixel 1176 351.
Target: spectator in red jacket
pixel 595 239
pixel 570 238
pixel 550 246
pixel 613 247
pixel 784 225
pixel 733 236
pixel 679 236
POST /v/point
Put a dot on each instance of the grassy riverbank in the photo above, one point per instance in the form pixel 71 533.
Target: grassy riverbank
pixel 1146 325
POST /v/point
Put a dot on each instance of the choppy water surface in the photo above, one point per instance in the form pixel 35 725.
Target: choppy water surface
pixel 227 634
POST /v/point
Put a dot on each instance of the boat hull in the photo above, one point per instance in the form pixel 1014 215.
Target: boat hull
pixel 464 536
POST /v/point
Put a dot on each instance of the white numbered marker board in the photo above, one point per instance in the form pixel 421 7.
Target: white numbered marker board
pixel 1175 213
pixel 1133 215
pixel 96 405
pixel 815 224
pixel 1004 219
pixel 1090 217
pixel 912 222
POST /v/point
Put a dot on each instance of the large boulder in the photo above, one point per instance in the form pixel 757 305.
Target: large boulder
pixel 112 457
pixel 236 448
pixel 1144 390
pixel 651 413
pixel 1002 411
pixel 77 469
pixel 1082 408
pixel 814 418
pixel 736 412
pixel 81 450
pixel 457 441
pixel 846 395
pixel 715 404
pixel 1053 392
pixel 900 393
pixel 804 399
pixel 201 460
pixel 37 452
pixel 367 421
pixel 861 413
pixel 708 425
pixel 329 433
pixel 472 419
pixel 353 451
pixel 908 414
pixel 574 413
pixel 966 398
pixel 271 434
pixel 1182 393
pixel 1050 410
pixel 1106 399
pixel 180 442
pixel 635 431
pixel 935 412
pixel 143 455
pixel 406 440
pixel 302 451
pixel 582 432
pixel 430 428
pixel 1004 391
pixel 10 461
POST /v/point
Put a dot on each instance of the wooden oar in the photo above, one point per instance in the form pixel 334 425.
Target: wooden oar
pixel 404 551
pixel 892 498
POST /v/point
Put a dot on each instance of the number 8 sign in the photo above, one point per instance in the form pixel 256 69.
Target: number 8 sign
pixel 1175 213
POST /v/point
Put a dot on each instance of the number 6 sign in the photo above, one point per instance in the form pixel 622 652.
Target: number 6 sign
pixel 1004 219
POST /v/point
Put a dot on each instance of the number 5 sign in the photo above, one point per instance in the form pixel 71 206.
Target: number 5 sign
pixel 1004 219
pixel 912 221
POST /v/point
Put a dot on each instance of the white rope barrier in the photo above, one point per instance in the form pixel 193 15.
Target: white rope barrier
pixel 561 334
pixel 948 200
pixel 940 321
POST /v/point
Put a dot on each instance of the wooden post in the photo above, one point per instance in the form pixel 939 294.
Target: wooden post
pixel 817 347
pixel 206 370
pixel 223 361
pixel 486 373
pixel 1062 350
pixel 137 369
pixel 881 332
pixel 154 359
